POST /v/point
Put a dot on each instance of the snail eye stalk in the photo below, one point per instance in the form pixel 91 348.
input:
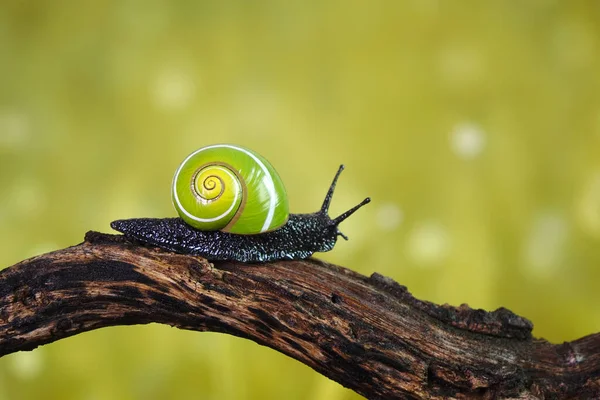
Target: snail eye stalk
pixel 327 202
pixel 329 195
pixel 351 211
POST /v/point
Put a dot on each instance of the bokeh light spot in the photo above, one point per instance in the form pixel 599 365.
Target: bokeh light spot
pixel 461 64
pixel 467 140
pixel 588 207
pixel 14 129
pixel 428 243
pixel 544 248
pixel 574 44
pixel 27 199
pixel 27 364
pixel 173 89
pixel 389 216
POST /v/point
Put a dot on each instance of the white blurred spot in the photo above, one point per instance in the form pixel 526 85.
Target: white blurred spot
pixel 14 129
pixel 588 206
pixel 27 364
pixel 428 243
pixel 389 216
pixel 544 248
pixel 467 140
pixel 173 89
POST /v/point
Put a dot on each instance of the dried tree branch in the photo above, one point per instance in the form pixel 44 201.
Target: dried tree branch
pixel 367 333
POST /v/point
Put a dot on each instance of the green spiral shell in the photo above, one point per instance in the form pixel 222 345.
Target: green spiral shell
pixel 229 188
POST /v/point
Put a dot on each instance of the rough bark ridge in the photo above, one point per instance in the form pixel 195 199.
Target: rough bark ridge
pixel 367 333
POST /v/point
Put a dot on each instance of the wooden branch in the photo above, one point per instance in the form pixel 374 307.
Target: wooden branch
pixel 367 333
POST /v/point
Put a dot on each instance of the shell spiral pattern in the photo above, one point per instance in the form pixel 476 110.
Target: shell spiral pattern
pixel 229 188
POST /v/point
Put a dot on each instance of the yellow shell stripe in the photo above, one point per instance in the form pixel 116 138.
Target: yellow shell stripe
pixel 268 185
pixel 218 217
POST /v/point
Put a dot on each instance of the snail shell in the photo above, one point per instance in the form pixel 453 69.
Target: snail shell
pixel 231 189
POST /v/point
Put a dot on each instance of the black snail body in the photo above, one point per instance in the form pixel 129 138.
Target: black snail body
pixel 297 236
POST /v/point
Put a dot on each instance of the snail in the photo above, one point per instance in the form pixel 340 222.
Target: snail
pixel 233 206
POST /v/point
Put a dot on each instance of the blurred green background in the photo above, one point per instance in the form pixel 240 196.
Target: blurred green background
pixel 474 126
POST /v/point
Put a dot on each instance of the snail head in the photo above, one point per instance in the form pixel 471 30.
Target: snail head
pixel 325 207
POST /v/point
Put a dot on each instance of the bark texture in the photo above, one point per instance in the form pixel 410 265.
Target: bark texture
pixel 367 333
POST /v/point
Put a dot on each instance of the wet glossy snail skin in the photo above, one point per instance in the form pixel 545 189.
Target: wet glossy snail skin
pixel 299 237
